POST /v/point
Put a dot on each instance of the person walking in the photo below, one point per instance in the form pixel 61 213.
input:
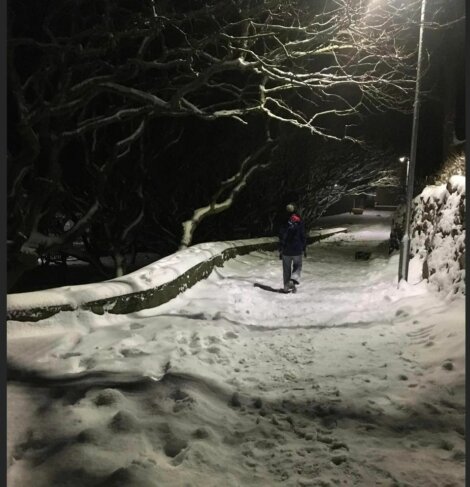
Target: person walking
pixel 292 244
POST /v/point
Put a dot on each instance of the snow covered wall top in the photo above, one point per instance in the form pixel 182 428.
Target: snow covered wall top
pixel 147 287
pixel 438 234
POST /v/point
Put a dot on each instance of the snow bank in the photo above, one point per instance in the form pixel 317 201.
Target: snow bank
pixel 148 287
pixel 438 235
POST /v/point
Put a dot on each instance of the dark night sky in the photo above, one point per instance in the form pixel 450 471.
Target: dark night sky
pixel 442 97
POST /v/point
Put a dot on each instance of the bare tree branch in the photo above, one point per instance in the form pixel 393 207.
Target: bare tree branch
pixel 234 185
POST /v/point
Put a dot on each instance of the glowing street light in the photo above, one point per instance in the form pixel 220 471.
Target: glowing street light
pixel 407 159
pixel 405 242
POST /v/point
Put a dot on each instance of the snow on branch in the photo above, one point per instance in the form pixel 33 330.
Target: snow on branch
pixel 234 185
pixel 39 242
pixel 171 68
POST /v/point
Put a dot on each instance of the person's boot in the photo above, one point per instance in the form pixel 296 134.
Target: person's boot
pixel 291 285
pixel 288 287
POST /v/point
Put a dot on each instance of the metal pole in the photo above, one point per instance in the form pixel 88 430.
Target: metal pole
pixel 405 242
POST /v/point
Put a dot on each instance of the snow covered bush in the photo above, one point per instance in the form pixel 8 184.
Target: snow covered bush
pixel 438 234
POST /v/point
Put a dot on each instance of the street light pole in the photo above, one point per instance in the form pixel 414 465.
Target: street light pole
pixel 407 160
pixel 405 242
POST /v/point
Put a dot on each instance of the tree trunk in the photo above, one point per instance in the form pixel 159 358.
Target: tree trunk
pixel 119 263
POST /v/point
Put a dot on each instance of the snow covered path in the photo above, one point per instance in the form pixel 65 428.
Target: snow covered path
pixel 351 381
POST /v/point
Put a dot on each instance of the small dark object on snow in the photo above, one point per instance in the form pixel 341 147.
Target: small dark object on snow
pixel 448 365
pixel 362 255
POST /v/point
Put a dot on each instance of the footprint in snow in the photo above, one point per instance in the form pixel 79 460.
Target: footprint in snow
pixel 135 326
pixel 230 335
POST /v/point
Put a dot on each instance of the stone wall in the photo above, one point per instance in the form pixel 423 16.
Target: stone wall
pixel 438 234
pixel 43 304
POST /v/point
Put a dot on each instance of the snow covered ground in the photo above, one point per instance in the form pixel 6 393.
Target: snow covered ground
pixel 350 381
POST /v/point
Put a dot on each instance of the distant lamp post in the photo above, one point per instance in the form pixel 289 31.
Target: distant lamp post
pixel 407 160
pixel 405 242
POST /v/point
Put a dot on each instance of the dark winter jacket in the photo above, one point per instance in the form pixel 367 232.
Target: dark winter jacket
pixel 292 239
